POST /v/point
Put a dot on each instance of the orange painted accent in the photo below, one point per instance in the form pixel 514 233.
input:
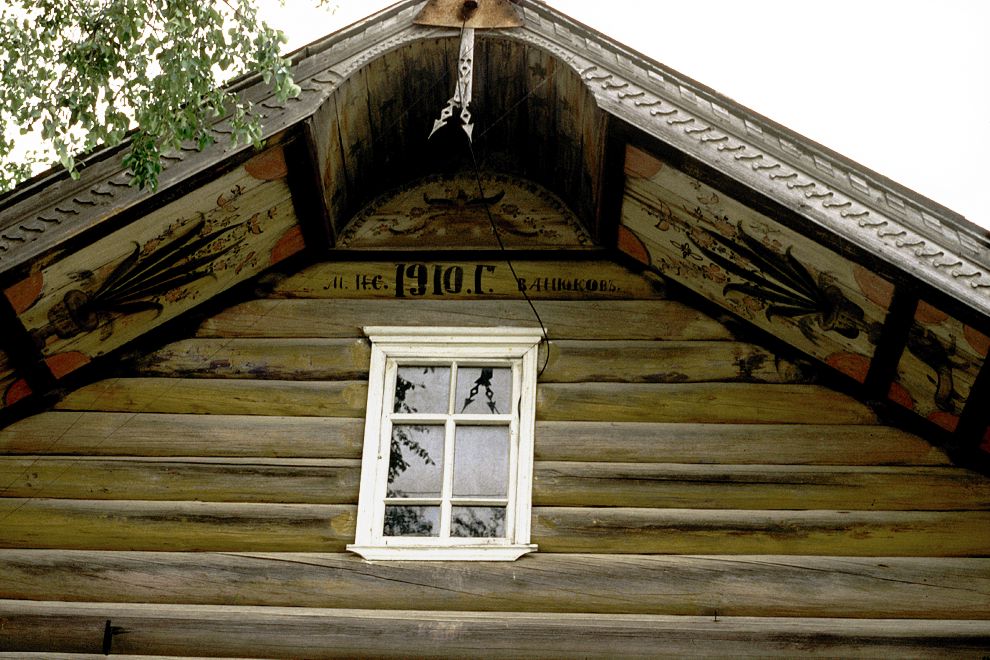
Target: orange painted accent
pixel 18 390
pixel 290 243
pixel 899 394
pixel 633 246
pixel 268 165
pixel 639 163
pixel 947 421
pixel 851 364
pixel 979 341
pixel 26 292
pixel 928 314
pixel 874 287
pixel 61 364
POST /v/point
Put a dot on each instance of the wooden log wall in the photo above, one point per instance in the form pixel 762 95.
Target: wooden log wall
pixel 690 488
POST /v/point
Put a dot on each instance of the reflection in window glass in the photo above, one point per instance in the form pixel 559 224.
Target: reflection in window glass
pixel 422 390
pixel 415 461
pixel 478 521
pixel 484 390
pixel 481 461
pixel 412 520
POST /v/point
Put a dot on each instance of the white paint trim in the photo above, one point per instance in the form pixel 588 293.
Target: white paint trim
pixel 499 346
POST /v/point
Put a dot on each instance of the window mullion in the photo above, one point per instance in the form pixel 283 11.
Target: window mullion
pixel 448 458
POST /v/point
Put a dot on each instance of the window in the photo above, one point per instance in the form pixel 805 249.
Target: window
pixel 447 468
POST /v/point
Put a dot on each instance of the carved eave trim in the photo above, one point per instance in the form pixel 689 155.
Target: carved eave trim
pixel 912 233
pixel 46 213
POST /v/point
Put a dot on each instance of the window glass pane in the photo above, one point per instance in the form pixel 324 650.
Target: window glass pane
pixel 481 461
pixel 484 390
pixel 415 461
pixel 412 521
pixel 422 390
pixel 478 521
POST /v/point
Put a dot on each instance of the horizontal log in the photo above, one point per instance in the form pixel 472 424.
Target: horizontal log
pixel 623 319
pixel 129 434
pixel 543 280
pixel 698 402
pixel 746 585
pixel 697 531
pixel 179 526
pixel 665 362
pixel 218 396
pixel 204 526
pixel 297 632
pixel 285 480
pixel 141 434
pixel 758 487
pixel 278 359
pixel 335 481
pixel 569 361
pixel 762 444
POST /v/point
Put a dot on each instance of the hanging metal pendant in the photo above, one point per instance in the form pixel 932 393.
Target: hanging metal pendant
pixel 470 14
pixel 463 91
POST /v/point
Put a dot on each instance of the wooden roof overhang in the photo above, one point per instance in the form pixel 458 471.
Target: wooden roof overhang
pixel 889 289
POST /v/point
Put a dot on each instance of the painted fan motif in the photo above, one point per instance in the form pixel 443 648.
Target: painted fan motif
pixel 785 286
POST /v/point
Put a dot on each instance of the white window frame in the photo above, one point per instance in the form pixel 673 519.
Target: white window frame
pixel 394 346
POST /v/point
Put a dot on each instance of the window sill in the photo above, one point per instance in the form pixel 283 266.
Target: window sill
pixel 442 552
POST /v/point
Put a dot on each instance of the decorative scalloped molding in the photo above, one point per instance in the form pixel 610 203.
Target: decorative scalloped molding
pixel 920 239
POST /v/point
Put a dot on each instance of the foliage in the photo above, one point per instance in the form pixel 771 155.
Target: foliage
pixel 82 73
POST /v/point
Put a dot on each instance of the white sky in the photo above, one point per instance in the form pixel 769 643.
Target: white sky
pixel 900 86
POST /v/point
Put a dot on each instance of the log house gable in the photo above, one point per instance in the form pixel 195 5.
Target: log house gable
pixel 883 287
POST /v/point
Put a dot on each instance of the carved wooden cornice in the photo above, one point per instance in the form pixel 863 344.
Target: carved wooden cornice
pixel 901 227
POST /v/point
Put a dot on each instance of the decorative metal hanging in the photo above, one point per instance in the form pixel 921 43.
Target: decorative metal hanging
pixel 467 15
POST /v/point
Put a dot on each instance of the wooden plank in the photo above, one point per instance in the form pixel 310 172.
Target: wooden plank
pixel 237 527
pixel 570 361
pixel 780 444
pixel 280 359
pixel 698 402
pixel 130 434
pixel 665 362
pixel 699 531
pixel 313 633
pixel 758 487
pixel 292 480
pixel 460 280
pixel 335 481
pixel 223 397
pixel 179 526
pixel 613 319
pixel 746 585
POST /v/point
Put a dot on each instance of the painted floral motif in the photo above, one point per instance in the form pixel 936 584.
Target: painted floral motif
pixel 151 271
pixel 784 285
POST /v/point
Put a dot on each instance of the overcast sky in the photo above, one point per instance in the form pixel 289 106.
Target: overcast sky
pixel 900 86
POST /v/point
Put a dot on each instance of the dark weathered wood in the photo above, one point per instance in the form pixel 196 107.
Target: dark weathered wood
pixel 130 434
pixel 778 444
pixel 282 480
pixel 698 402
pixel 697 531
pixel 313 633
pixel 543 280
pixel 745 585
pixel 200 526
pixel 216 396
pixel 281 359
pixel 180 526
pixel 335 481
pixel 622 319
pixel 141 434
pixel 758 487
pixel 570 361
pixel 664 362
